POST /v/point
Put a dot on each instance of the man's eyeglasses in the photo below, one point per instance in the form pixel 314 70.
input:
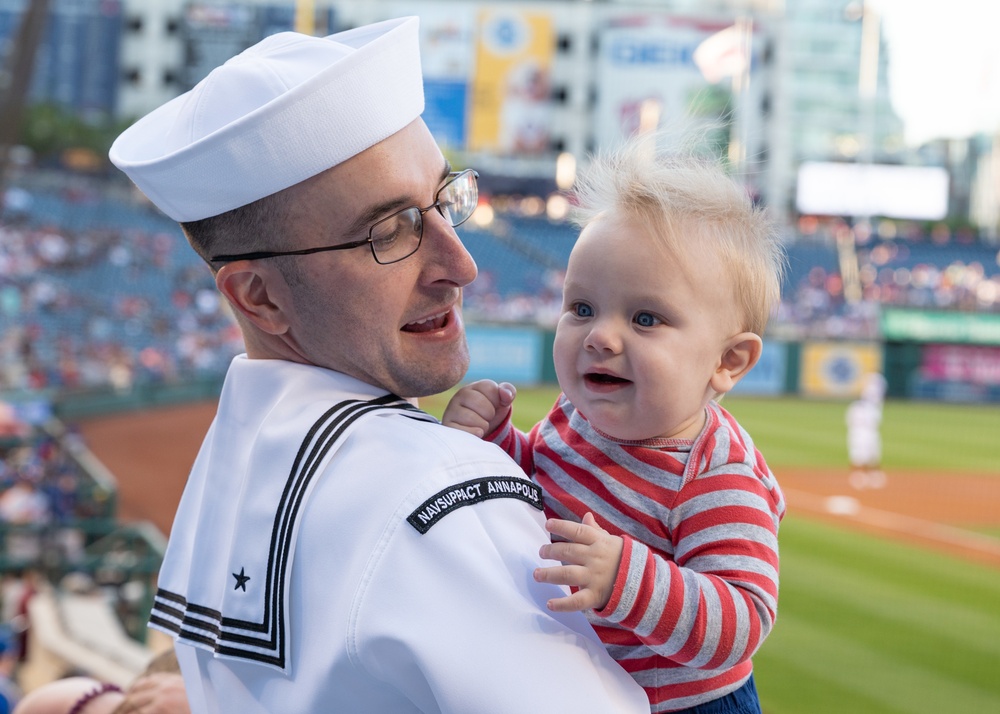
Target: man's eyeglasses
pixel 398 236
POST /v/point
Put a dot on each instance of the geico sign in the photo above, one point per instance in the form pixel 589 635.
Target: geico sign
pixel 629 51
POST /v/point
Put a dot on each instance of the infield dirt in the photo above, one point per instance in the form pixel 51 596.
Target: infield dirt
pixel 150 453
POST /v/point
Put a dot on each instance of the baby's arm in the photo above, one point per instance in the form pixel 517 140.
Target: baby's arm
pixel 591 558
pixel 714 601
pixel 479 408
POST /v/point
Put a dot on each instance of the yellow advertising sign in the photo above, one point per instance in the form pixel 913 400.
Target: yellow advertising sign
pixel 837 369
pixel 510 105
pixel 305 16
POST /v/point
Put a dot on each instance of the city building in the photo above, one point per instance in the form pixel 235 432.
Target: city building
pixel 76 65
pixel 521 88
pixel 512 86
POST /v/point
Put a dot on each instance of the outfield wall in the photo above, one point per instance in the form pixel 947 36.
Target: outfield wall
pixel 924 355
pixel 942 356
pixel 936 356
pixel 831 370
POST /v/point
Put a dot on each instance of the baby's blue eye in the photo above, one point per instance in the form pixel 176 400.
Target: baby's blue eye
pixel 582 310
pixel 645 319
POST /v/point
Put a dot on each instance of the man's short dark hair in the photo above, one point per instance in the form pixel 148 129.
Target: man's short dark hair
pixel 256 226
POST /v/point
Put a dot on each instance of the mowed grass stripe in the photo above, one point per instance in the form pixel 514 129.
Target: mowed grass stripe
pixel 874 607
pixel 792 684
pixel 919 435
pixel 915 435
pixel 866 615
pixel 864 680
pixel 893 562
pixel 793 432
pixel 790 431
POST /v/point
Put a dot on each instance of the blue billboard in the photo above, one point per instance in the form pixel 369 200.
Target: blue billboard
pixel 505 354
pixel 768 376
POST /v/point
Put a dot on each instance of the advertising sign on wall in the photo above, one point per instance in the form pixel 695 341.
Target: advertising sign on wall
pixel 957 373
pixel 447 58
pixel 837 369
pixel 648 74
pixel 973 364
pixel 768 376
pixel 505 354
pixel 842 189
pixel 940 326
pixel 510 107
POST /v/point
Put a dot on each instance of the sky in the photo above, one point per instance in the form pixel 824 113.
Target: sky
pixel 944 67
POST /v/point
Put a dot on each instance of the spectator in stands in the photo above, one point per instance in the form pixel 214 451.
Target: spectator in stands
pixel 25 507
pixel 298 147
pixel 10 693
pixel 72 695
pixel 29 581
pixel 664 513
pixel 158 690
pixel 11 426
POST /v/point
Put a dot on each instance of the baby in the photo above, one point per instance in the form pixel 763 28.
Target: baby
pixel 665 515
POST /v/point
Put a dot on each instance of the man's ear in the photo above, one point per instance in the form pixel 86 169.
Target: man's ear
pixel 740 353
pixel 257 292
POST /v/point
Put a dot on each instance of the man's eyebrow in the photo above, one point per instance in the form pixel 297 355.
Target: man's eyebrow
pixel 380 210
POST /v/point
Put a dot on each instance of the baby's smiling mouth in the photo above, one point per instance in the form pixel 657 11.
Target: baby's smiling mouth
pixel 601 378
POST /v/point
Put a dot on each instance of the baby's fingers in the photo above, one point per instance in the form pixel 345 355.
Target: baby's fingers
pixel 565 552
pixel 506 393
pixel 577 602
pixel 572 575
pixel 576 577
pixel 573 531
pixel 459 416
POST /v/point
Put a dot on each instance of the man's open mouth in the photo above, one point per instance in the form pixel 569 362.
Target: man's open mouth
pixel 434 322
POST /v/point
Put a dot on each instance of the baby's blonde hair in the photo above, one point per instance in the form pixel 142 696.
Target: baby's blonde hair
pixel 673 192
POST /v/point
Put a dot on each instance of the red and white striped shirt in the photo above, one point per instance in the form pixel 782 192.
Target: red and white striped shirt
pixel 697 589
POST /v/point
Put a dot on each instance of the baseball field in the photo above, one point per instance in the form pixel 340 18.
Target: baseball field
pixel 890 597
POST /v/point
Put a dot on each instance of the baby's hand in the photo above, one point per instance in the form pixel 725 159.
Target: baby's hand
pixel 590 563
pixel 479 408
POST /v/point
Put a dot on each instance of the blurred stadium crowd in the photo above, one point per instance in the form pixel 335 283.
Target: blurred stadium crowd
pixel 95 292
pixel 66 564
pixel 98 291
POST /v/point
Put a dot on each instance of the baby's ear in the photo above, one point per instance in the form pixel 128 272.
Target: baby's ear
pixel 739 355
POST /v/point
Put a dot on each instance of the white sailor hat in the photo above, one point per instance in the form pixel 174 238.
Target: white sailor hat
pixel 278 113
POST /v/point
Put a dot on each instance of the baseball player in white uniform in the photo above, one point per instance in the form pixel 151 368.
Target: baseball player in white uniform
pixel 864 439
pixel 336 549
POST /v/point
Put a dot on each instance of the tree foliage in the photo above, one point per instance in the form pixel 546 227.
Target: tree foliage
pixel 50 131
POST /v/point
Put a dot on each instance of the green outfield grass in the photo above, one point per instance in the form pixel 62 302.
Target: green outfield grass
pixel 867 625
pixel 915 435
pixel 872 626
pixel 795 432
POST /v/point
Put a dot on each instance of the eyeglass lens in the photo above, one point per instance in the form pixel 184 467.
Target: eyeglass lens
pixel 398 236
pixel 457 199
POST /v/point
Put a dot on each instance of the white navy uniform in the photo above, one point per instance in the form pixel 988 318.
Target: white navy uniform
pixel 336 549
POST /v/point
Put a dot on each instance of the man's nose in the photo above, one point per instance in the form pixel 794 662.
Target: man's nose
pixel 446 253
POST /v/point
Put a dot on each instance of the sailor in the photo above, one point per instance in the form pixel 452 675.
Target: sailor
pixel 337 549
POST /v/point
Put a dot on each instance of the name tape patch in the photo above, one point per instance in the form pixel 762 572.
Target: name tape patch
pixel 469 492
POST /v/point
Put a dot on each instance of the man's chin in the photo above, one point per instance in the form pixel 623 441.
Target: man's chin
pixel 436 378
